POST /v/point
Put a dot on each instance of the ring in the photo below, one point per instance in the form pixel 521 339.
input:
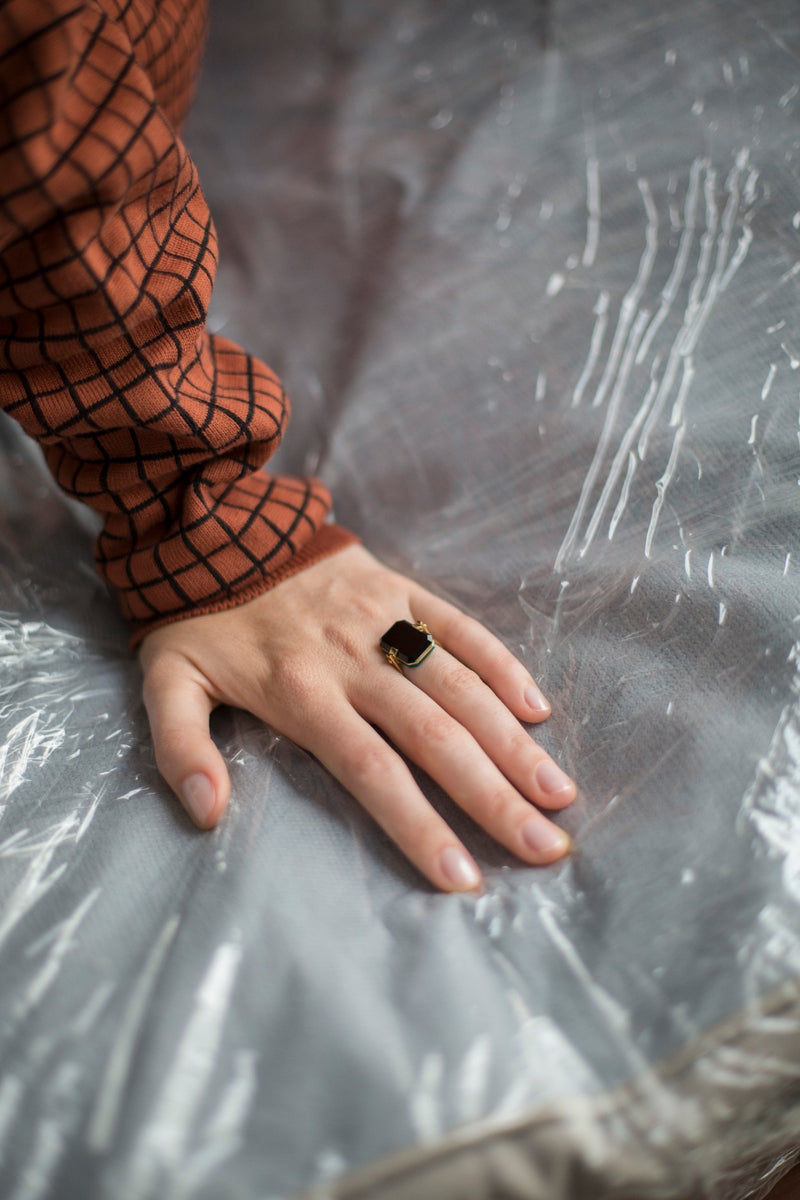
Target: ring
pixel 406 645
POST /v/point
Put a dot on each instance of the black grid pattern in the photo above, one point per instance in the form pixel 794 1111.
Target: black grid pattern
pixel 107 259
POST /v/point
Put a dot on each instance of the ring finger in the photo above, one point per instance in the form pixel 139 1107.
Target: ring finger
pixel 461 692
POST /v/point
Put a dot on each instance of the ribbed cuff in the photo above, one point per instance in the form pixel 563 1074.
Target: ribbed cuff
pixel 326 541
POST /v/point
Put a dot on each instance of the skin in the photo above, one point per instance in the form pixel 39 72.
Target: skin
pixel 304 658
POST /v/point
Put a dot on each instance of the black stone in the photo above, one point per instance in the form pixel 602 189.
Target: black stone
pixel 410 643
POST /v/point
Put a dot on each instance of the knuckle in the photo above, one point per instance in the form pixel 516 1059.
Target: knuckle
pixel 354 637
pixel 460 680
pixel 370 608
pixel 436 728
pixel 366 762
pixel 168 754
pixel 172 740
pixel 292 681
pixel 345 642
pixel 497 807
pixel 521 747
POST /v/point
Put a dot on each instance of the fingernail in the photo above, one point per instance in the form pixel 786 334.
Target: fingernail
pixel 551 779
pixel 544 838
pixel 535 699
pixel 459 868
pixel 197 794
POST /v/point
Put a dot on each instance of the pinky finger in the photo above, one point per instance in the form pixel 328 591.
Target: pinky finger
pixel 382 783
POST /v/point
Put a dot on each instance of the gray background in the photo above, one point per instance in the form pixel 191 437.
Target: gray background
pixel 530 273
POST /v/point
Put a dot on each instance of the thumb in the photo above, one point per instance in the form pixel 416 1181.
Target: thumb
pixel 178 708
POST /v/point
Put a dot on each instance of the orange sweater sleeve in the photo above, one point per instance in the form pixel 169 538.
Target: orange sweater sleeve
pixel 107 259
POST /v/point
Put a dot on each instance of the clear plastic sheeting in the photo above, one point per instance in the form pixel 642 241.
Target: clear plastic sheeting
pixel 531 273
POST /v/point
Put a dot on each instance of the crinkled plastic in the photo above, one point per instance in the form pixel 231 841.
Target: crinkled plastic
pixel 531 273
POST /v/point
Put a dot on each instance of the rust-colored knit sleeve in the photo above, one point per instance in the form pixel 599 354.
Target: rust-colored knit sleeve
pixel 107 258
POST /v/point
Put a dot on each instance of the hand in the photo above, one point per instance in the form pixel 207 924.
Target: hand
pixel 304 658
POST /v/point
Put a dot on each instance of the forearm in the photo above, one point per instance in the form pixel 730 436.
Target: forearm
pixel 108 255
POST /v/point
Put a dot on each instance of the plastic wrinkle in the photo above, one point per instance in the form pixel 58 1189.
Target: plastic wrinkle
pixel 531 276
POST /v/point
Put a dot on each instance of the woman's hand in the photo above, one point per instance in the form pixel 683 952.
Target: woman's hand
pixel 304 658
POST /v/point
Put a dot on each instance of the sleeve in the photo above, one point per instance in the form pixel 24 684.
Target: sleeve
pixel 107 259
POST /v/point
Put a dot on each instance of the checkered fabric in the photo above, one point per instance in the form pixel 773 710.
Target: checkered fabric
pixel 107 259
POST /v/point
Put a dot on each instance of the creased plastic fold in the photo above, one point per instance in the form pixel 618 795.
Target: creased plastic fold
pixel 531 274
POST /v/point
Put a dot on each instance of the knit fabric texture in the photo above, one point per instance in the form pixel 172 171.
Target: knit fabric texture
pixel 107 260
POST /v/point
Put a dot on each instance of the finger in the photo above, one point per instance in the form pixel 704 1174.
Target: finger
pixel 178 709
pixel 474 645
pixel 463 694
pixel 378 778
pixel 450 755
